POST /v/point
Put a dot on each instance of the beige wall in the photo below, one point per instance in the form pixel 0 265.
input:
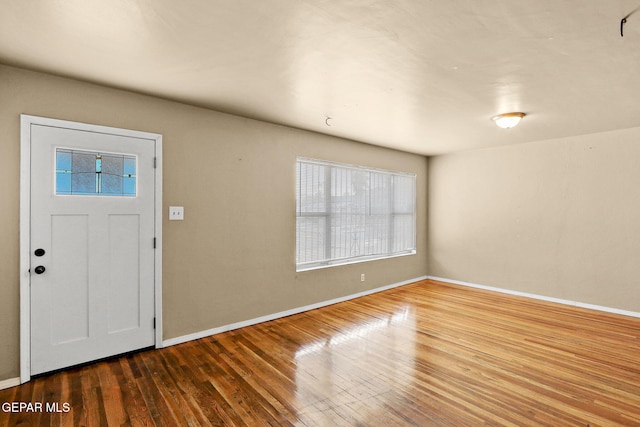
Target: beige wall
pixel 557 218
pixel 233 257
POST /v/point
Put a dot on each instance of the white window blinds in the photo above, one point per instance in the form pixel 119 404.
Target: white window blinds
pixel 348 214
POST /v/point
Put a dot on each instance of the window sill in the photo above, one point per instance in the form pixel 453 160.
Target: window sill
pixel 338 263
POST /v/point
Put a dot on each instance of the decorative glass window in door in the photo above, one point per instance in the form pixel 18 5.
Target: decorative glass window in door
pixel 87 173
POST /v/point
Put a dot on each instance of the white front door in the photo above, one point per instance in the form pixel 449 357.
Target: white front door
pixel 92 230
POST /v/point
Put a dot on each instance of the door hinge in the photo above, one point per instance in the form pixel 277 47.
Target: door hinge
pixel 154 243
pixel 154 323
pixel 155 162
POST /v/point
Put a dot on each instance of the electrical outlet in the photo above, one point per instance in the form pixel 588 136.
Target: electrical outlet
pixel 362 277
pixel 176 213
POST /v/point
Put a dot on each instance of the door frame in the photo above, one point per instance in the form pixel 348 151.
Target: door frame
pixel 25 225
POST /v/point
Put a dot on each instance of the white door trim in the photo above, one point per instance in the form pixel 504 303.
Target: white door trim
pixel 25 233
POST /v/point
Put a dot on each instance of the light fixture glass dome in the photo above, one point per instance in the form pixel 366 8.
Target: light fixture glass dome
pixel 508 120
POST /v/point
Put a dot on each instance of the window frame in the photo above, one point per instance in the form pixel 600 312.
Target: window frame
pixel 327 215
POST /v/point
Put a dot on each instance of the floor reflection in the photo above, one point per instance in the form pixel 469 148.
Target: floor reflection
pixel 360 369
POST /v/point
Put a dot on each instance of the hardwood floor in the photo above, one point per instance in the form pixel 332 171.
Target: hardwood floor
pixel 425 354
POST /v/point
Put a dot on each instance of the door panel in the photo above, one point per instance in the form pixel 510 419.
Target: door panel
pixel 67 294
pixel 124 280
pixel 93 213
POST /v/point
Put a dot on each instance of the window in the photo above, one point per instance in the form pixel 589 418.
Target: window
pixel 87 173
pixel 348 214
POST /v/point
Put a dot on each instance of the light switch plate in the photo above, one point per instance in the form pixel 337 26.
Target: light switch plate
pixel 176 213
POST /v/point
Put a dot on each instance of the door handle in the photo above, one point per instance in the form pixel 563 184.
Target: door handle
pixel 39 269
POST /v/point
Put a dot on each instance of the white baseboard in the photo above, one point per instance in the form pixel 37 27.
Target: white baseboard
pixel 11 382
pixel 226 328
pixel 538 297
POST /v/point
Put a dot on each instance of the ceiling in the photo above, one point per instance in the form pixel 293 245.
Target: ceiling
pixel 424 76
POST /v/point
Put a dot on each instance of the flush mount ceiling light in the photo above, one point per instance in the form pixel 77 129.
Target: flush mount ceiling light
pixel 507 120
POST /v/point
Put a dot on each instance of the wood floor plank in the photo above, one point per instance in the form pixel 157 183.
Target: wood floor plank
pixel 425 354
